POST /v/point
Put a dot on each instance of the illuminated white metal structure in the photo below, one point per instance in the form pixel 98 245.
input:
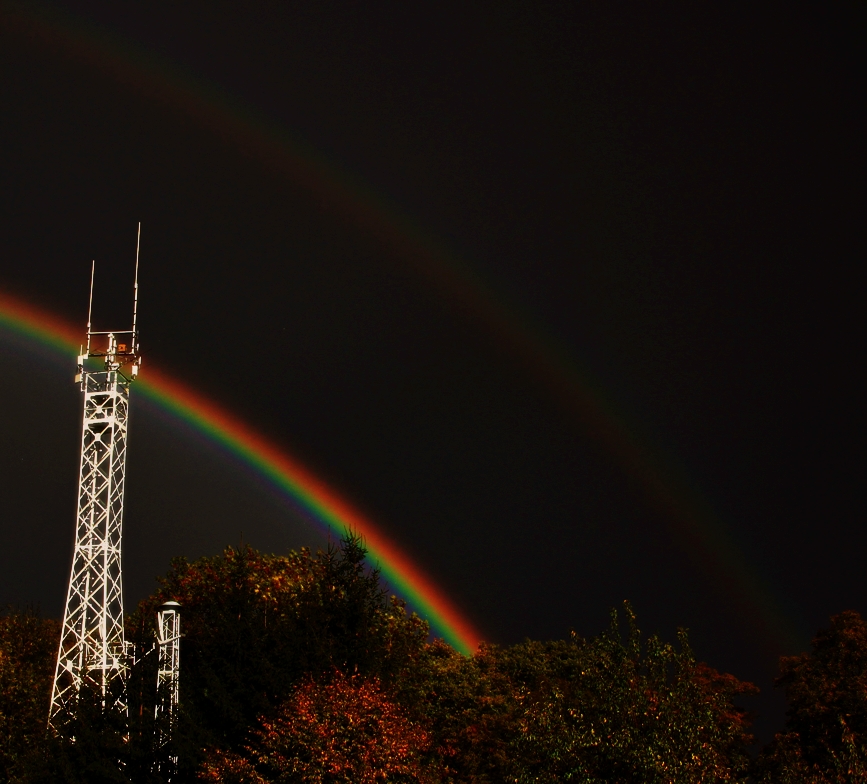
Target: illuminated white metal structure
pixel 92 647
pixel 168 671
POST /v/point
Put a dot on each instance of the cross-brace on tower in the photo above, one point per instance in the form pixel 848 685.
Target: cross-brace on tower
pixel 92 647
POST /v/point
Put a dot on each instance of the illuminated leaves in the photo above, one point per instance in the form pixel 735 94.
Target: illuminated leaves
pixel 611 708
pixel 343 730
pixel 299 668
pixel 630 709
pixel 255 626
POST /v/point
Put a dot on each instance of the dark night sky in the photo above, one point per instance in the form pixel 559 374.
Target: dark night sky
pixel 669 196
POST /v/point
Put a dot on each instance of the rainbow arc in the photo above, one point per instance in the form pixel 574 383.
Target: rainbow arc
pixel 691 520
pixel 316 499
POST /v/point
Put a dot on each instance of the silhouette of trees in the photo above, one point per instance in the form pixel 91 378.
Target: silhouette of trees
pixel 28 649
pixel 825 739
pixel 92 748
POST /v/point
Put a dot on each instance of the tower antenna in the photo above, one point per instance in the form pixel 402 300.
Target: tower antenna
pixel 135 289
pixel 90 302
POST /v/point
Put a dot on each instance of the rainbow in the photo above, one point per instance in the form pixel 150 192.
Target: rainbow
pixel 692 522
pixel 316 499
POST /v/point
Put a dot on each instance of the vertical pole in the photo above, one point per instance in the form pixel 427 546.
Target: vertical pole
pixel 90 302
pixel 135 288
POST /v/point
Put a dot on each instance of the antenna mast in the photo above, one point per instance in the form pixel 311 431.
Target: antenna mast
pixel 135 284
pixel 90 302
pixel 93 652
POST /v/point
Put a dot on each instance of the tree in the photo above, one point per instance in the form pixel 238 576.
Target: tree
pixel 256 625
pixel 91 745
pixel 825 739
pixel 470 707
pixel 617 708
pixel 28 649
pixel 339 730
pixel 300 668
pixel 609 708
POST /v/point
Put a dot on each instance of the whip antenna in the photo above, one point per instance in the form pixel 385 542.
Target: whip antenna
pixel 135 287
pixel 90 302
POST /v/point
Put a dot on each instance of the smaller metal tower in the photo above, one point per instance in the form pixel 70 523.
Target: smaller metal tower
pixel 168 671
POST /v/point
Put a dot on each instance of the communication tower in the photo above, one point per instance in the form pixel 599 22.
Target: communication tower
pixel 92 648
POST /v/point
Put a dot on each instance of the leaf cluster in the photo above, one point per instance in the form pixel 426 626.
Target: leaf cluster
pixel 255 625
pixel 825 739
pixel 340 729
pixel 609 708
pixel 28 650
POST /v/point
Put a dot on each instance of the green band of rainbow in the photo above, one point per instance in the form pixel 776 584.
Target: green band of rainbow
pixel 316 499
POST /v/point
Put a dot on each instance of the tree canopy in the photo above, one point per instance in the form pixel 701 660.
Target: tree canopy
pixel 340 729
pixel 255 625
pixel 301 668
pixel 615 707
pixel 28 650
pixel 825 738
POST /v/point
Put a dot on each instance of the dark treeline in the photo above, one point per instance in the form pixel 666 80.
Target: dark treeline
pixel 300 668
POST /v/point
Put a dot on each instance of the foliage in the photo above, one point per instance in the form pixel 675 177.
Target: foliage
pixel 102 749
pixel 28 648
pixel 340 730
pixel 628 709
pixel 299 668
pixel 606 708
pixel 90 746
pixel 470 706
pixel 256 625
pixel 825 739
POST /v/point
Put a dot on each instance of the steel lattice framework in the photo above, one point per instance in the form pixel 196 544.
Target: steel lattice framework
pixel 92 648
pixel 168 672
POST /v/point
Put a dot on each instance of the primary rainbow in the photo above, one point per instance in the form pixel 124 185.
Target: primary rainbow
pixel 316 499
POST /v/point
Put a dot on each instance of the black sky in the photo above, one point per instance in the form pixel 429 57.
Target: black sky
pixel 671 196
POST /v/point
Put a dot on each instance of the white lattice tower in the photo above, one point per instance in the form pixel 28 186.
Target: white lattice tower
pixel 168 672
pixel 92 648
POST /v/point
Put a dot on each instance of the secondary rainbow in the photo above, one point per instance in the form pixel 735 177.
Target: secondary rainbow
pixel 318 501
